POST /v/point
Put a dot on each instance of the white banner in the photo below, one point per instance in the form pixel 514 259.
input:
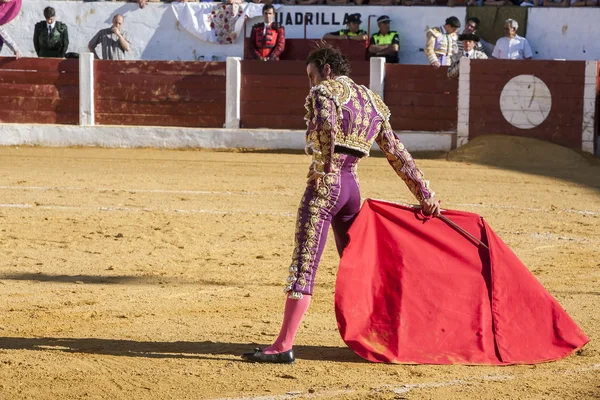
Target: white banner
pixel 215 22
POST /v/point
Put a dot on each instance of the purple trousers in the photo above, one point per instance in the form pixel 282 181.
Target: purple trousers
pixel 336 202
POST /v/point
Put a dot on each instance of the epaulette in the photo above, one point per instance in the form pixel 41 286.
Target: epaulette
pixel 327 89
pixel 435 32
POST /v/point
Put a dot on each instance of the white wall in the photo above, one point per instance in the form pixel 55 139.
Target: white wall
pixel 572 34
pixel 155 33
pixel 554 33
pixel 176 138
pixel 153 30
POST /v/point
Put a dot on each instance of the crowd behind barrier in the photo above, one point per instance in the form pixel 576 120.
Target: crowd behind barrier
pixel 449 3
pixel 268 41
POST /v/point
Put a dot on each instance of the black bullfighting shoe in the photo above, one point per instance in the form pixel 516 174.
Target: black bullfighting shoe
pixel 287 357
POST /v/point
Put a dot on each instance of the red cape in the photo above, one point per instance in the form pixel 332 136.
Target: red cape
pixel 411 290
pixel 8 11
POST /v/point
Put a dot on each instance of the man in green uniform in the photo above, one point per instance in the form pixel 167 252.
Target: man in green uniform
pixel 50 37
pixel 353 32
pixel 385 43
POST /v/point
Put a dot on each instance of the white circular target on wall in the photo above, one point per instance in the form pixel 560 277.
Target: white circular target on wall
pixel 525 101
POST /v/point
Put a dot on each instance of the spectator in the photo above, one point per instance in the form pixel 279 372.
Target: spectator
pixel 267 38
pixel 309 2
pixel 115 43
pixel 468 50
pixel 552 3
pixel 442 43
pixel 5 38
pixel 50 37
pixel 385 43
pixel 512 46
pixel 471 28
pixel 384 2
pixel 352 32
pixel 492 2
pixel 584 3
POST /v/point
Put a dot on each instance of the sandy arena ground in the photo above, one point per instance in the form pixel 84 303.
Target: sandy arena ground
pixel 144 274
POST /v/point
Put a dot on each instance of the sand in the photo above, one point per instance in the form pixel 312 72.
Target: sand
pixel 143 274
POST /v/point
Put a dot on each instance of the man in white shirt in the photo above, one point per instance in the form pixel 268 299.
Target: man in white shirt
pixel 512 46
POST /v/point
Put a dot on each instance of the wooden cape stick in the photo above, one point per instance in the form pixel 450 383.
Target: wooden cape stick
pixel 443 218
pixel 461 230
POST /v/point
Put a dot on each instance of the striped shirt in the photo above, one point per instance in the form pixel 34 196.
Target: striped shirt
pixel 8 40
pixel 111 46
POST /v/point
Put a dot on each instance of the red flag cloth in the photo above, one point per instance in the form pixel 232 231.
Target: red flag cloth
pixel 415 290
pixel 8 11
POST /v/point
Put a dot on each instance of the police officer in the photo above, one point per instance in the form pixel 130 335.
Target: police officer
pixel 385 43
pixel 50 37
pixel 353 31
pixel 267 38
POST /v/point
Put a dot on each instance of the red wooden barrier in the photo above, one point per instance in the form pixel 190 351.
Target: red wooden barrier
pixel 39 90
pixel 160 93
pixel 298 49
pixel 273 93
pixel 597 122
pixel 565 81
pixel 421 98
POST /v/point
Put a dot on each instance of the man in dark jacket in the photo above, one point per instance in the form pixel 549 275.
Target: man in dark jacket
pixel 50 37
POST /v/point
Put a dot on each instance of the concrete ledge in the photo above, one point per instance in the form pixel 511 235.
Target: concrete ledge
pixel 173 138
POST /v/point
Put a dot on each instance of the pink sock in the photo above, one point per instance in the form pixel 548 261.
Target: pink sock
pixel 292 316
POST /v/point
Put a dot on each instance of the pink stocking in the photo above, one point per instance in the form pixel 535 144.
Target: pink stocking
pixel 292 316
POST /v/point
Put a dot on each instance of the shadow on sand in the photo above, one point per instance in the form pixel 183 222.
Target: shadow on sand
pixel 206 350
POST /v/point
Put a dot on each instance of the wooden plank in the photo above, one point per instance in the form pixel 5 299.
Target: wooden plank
pixel 400 72
pixel 161 108
pixel 163 93
pixel 273 122
pixel 433 113
pixel 39 78
pixel 275 95
pixel 494 118
pixel 39 91
pixel 421 86
pixel 293 68
pixel 394 99
pixel 24 104
pixel 151 81
pixel 412 124
pixel 257 82
pixel 291 109
pixel 201 121
pixel 169 68
pixel 558 90
pixel 546 78
pixel 38 117
pixel 253 67
pixel 361 79
pixel 40 64
pixel 519 67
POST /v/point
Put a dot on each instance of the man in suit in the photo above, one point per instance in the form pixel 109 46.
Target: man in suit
pixel 50 37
